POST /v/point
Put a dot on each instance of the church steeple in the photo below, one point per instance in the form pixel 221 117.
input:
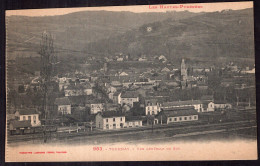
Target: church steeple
pixel 184 71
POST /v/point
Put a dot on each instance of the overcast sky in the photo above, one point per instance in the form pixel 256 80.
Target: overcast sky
pixel 206 7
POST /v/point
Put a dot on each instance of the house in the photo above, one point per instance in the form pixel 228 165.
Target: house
pixel 112 89
pixel 123 74
pixel 128 98
pixel 197 69
pixel 111 107
pixel 78 90
pixel 142 59
pixel 79 101
pixel 207 70
pixel 110 120
pixel 28 115
pixel 180 114
pixel 119 81
pixel 96 107
pixel 197 104
pixel 144 82
pixel 84 79
pixel 94 77
pixel 133 121
pixel 116 84
pixel 171 83
pixel 232 67
pixel 64 82
pixel 162 58
pixel 111 95
pixel 63 105
pixel 210 106
pixel 19 126
pixel 152 107
pixel 115 96
pixel 33 86
pixel 161 96
pixel 171 75
pixel 142 90
pixel 222 105
pixel 165 69
pixel 247 71
pixel 120 59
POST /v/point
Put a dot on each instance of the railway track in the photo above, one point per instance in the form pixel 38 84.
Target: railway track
pixel 169 129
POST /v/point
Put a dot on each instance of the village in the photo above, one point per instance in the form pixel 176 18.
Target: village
pixel 109 99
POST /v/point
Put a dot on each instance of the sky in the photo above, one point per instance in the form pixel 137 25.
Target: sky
pixel 205 7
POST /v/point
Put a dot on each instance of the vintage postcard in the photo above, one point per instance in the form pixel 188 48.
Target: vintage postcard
pixel 131 83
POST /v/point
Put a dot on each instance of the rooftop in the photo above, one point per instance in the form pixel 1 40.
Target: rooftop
pixel 180 103
pixel 78 87
pixel 22 124
pixel 179 112
pixel 116 93
pixel 129 94
pixel 109 114
pixel 132 118
pixel 62 101
pixel 78 100
pixel 152 101
pixel 132 78
pixel 220 102
pixel 116 83
pixel 27 111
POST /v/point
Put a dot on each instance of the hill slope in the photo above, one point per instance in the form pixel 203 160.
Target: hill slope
pixel 73 31
pixel 210 37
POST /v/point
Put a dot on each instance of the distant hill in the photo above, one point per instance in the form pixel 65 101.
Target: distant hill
pixel 75 30
pixel 215 37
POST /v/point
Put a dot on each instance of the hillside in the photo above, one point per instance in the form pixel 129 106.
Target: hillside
pixel 215 37
pixel 75 30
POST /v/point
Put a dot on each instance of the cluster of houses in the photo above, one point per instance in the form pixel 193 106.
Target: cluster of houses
pixel 163 113
pixel 112 97
pixel 120 57
pixel 123 99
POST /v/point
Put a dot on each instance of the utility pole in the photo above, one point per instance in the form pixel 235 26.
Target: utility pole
pixel 47 59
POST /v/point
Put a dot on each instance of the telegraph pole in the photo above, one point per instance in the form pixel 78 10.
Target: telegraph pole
pixel 47 60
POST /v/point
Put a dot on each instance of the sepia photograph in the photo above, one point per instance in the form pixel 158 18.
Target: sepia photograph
pixel 165 82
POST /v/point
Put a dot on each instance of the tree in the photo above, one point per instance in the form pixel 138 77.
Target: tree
pixel 150 119
pixel 137 110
